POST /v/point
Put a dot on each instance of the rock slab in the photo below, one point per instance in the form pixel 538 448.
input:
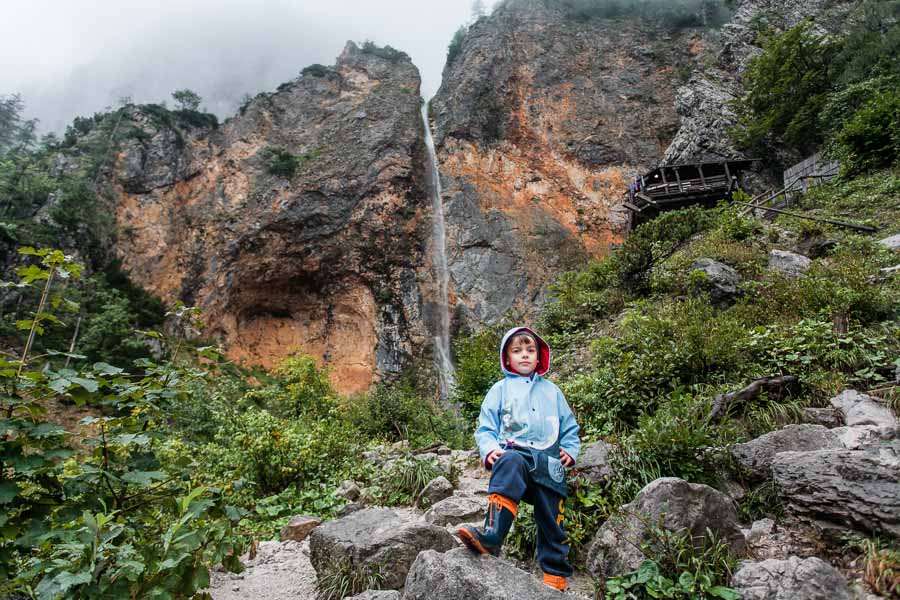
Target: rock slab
pixel 377 539
pixel 841 488
pixel 723 280
pixel 789 264
pixel 860 409
pixel 462 575
pixel 593 462
pixel 436 490
pixel 298 528
pixel 791 579
pixel 756 456
pixel 677 506
pixel 456 509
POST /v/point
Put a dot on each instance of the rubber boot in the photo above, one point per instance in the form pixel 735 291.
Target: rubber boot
pixel 555 581
pixel 489 539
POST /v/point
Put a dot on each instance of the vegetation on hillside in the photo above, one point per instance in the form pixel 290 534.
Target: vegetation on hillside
pixel 180 459
pixel 806 89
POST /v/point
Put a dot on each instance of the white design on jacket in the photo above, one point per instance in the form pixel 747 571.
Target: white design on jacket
pixel 514 429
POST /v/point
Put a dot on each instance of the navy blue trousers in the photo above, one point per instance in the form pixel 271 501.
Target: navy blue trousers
pixel 511 479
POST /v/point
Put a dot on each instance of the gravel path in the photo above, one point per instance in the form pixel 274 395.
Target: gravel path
pixel 280 571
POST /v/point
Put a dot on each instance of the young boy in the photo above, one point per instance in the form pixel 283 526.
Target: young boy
pixel 527 436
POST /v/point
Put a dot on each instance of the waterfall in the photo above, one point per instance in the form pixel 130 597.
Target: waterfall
pixel 442 275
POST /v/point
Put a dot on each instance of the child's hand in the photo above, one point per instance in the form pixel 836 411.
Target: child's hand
pixel 565 459
pixel 492 457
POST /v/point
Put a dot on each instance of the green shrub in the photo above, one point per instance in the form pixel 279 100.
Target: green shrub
pixel 315 70
pixel 456 44
pixel 870 139
pixel 477 367
pixel 343 579
pixel 786 88
pixel 385 52
pixel 284 164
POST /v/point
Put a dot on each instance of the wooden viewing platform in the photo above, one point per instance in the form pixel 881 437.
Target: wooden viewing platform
pixel 669 187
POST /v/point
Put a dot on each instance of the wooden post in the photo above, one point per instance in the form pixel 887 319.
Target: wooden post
pixel 678 178
pixel 727 174
pixel 662 170
pixel 702 178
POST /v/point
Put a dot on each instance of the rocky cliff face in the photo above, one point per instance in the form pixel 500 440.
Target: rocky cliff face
pixel 704 102
pixel 325 260
pixel 540 121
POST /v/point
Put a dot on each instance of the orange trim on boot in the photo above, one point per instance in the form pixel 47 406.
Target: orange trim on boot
pixel 555 581
pixel 504 502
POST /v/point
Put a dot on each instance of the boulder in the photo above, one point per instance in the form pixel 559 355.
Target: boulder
pixel 788 264
pixel 593 462
pixel 462 575
pixel 377 539
pixel 349 490
pixel 760 529
pixel 821 416
pixel 298 528
pixel 377 595
pixel 456 509
pixel 836 489
pixel 675 505
pixel 867 437
pixel 756 456
pixel 891 243
pixel 791 579
pixel 723 280
pixel 860 409
pixel 436 490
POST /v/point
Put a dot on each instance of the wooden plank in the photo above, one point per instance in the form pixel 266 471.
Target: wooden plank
pixel 631 207
pixel 645 198
pixel 662 171
pixel 702 178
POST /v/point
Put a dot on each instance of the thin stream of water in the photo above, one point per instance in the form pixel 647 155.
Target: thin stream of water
pixel 446 373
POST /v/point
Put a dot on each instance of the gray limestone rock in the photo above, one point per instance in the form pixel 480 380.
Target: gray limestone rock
pixel 375 538
pixel 349 490
pixel 456 509
pixel 299 527
pixel 860 409
pixel 462 575
pixel 723 280
pixel 837 489
pixel 891 243
pixel 821 416
pixel 593 461
pixel 867 437
pixel 677 506
pixel 756 456
pixel 436 490
pixel 760 529
pixel 791 579
pixel 788 264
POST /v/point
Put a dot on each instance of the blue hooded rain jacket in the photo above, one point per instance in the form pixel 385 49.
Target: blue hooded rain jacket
pixel 531 415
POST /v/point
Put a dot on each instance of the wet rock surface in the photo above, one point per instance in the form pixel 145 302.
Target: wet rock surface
pixel 377 538
pixel 756 456
pixel 461 575
pixel 841 489
pixel 860 409
pixel 789 264
pixel 790 579
pixel 675 505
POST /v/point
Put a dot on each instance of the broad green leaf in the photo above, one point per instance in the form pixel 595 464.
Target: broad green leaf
pixel 32 273
pixel 88 384
pixel 143 478
pixel 107 369
pixel 8 491
pixel 725 593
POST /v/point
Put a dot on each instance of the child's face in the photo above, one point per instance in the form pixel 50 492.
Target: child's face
pixel 521 356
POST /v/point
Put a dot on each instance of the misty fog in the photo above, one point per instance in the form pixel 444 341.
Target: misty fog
pixel 79 57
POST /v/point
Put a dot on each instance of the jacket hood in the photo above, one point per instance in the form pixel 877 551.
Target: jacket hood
pixel 543 351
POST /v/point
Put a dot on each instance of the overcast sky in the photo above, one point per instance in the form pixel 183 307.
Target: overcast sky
pixel 76 57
